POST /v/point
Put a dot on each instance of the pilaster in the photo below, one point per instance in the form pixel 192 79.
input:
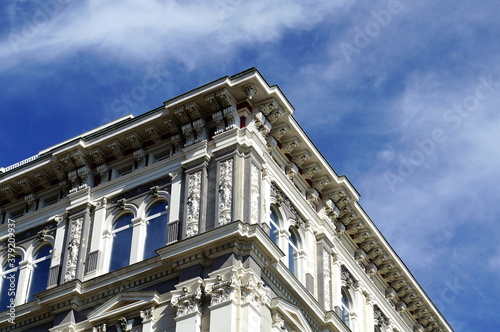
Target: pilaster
pixel 187 300
pixel 196 194
pixel 57 251
pixel 138 240
pixel 174 206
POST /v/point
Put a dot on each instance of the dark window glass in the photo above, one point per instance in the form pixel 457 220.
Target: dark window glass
pixel 122 242
pixel 346 307
pixel 292 252
pixel 274 223
pixel 156 236
pixel 40 274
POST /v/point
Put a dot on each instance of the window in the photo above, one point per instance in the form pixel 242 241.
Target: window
pixel 346 307
pixel 293 252
pixel 156 228
pixel 122 240
pixel 40 274
pixel 274 223
pixel 8 283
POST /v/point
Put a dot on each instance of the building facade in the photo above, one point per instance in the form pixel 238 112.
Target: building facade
pixel 213 212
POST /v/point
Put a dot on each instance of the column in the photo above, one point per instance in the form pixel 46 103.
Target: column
pixel 224 200
pixel 175 206
pixel 138 240
pixel 57 250
pixel 147 319
pixel 223 289
pixel 236 295
pixel 94 261
pixel 253 296
pixel 187 299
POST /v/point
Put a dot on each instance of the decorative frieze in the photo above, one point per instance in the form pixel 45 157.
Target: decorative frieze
pixel 60 172
pixel 327 279
pixel 147 315
pixel 103 171
pixel 173 126
pixel 181 115
pixel 26 186
pixel 189 135
pixel 178 142
pixel 84 173
pixel 225 98
pixel 321 183
pixel 225 191
pixel 135 141
pixel 154 133
pixel 224 289
pixel 231 116
pixel 361 237
pixel 193 203
pixel 220 125
pixel 79 158
pixel 386 267
pixel 312 195
pixel 194 111
pixel 371 269
pixel 331 211
pixel 278 322
pixel 379 317
pixel 212 101
pixel 301 157
pixel 117 150
pixel 188 299
pixel 279 131
pixel 346 277
pixel 291 170
pixel 262 124
pixel 289 145
pixel 30 201
pixel 68 163
pixel 73 248
pixel 354 227
pixel 98 156
pixel 200 130
pixel 100 328
pixel 269 107
pixel 254 194
pixel 140 158
pixel 43 179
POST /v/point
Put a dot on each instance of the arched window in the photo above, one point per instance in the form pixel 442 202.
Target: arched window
pixel 8 283
pixel 293 252
pixel 346 307
pixel 156 228
pixel 274 223
pixel 40 274
pixel 122 242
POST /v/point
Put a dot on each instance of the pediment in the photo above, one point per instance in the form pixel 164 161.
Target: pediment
pixel 291 315
pixel 122 303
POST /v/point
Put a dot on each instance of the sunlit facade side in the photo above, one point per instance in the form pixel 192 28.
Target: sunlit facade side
pixel 213 212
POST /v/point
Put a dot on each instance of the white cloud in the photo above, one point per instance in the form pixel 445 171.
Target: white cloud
pixel 186 32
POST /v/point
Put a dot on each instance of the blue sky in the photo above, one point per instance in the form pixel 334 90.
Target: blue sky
pixel 401 96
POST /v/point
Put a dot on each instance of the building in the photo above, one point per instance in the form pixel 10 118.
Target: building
pixel 213 212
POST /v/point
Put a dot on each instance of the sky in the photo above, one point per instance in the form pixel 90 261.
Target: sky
pixel 401 96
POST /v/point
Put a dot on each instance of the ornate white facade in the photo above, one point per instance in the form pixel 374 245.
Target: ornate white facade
pixel 213 212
